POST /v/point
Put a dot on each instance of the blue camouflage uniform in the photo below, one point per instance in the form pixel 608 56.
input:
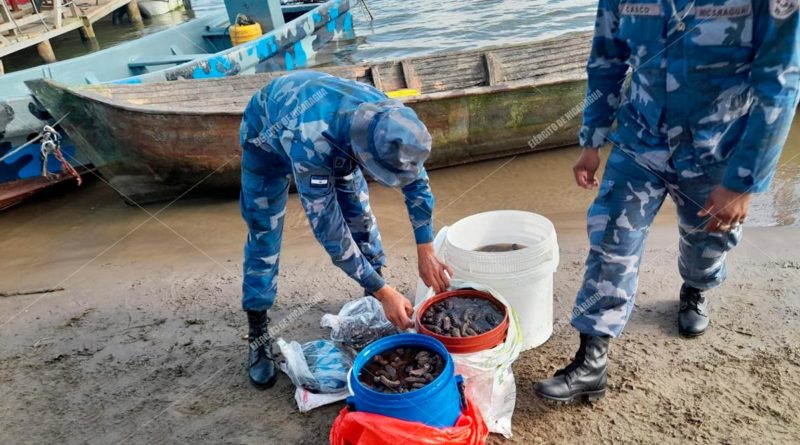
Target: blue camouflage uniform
pixel 711 96
pixel 300 126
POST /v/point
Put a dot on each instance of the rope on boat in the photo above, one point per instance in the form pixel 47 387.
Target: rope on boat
pixel 36 138
pixel 51 144
pixel 365 8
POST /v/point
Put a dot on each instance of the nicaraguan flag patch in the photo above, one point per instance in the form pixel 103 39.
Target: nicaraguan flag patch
pixel 319 181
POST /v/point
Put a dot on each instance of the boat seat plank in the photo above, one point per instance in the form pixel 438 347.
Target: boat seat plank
pixel 377 82
pixel 493 70
pixel 410 76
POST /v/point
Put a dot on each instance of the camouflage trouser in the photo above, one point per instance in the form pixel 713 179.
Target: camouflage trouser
pixel 618 223
pixel 265 188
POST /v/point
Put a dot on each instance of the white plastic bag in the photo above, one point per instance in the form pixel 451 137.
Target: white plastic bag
pixel 317 366
pixel 307 400
pixel 488 377
pixel 359 323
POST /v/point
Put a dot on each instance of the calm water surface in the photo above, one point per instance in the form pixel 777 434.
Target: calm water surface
pixel 415 27
pixel 400 28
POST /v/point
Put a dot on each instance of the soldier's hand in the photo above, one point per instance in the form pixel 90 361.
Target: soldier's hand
pixel 396 306
pixel 586 167
pixel 727 209
pixel 433 272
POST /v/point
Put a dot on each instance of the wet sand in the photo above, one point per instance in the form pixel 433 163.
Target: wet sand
pixel 144 344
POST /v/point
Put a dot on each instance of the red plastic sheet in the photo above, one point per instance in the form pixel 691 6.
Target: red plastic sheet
pixel 356 428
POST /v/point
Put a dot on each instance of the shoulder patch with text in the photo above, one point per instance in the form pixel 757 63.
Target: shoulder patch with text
pixel 646 9
pixel 723 12
pixel 783 9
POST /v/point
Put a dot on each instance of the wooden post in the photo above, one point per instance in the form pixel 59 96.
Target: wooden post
pixel 5 14
pixel 46 51
pixel 135 14
pixel 2 70
pixel 57 13
pixel 88 35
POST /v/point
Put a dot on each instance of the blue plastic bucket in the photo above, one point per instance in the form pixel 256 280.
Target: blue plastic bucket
pixel 438 404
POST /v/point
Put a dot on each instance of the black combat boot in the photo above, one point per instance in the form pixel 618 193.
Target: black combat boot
pixel 693 316
pixel 583 379
pixel 261 362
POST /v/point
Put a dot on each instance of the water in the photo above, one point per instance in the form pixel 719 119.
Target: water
pixel 780 206
pixel 400 28
pixel 417 27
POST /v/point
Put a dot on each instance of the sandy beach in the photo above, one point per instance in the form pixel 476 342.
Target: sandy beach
pixel 144 344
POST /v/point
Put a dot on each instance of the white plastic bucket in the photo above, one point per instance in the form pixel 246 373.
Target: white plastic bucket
pixel 524 277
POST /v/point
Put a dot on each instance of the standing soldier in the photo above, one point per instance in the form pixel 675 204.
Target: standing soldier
pixel 713 92
pixel 324 130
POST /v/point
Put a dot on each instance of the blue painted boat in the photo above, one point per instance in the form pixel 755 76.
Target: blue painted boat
pixel 197 49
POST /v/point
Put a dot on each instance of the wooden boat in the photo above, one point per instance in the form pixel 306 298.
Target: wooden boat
pixel 200 48
pixel 155 141
pixel 14 192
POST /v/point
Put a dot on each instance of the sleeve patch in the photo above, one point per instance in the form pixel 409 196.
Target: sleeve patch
pixel 782 9
pixel 723 12
pixel 645 9
pixel 319 181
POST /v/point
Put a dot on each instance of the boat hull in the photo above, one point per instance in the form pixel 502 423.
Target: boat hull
pixel 156 156
pixel 292 46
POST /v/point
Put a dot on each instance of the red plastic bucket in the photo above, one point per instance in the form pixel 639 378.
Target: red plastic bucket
pixel 466 345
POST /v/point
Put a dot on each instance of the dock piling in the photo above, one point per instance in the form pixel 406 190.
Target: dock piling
pixel 45 51
pixel 135 14
pixel 64 17
pixel 2 70
pixel 88 35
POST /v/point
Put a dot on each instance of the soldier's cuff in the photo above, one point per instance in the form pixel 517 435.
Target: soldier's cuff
pixel 424 234
pixel 373 282
pixel 742 180
pixel 593 137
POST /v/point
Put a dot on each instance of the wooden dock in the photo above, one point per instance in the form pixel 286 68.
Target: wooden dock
pixel 23 25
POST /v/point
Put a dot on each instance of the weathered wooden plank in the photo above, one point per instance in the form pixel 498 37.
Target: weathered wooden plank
pixel 377 82
pixel 493 69
pixel 433 74
pixel 466 72
pixel 410 76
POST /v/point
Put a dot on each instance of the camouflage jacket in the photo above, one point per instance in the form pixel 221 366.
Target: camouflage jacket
pixel 711 81
pixel 306 117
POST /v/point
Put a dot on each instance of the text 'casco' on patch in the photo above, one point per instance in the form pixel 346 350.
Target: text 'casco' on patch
pixel 646 9
pixel 782 9
pixel 723 12
pixel 319 181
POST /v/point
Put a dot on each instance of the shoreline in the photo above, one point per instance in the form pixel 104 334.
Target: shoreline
pixel 145 345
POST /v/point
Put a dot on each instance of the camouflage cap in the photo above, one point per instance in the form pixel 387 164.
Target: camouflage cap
pixel 389 142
